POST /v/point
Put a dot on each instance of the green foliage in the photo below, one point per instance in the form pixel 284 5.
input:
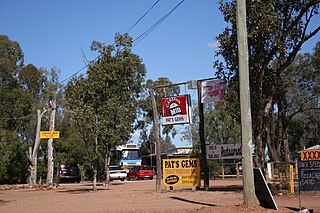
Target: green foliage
pixel 276 32
pixel 105 104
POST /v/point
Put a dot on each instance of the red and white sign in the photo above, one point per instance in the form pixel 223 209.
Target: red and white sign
pixel 175 110
pixel 213 90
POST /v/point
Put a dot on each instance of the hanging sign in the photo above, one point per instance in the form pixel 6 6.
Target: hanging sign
pixel 213 90
pixel 176 110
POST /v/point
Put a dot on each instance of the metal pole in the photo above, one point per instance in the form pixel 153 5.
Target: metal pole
pixel 157 138
pixel 202 140
pixel 246 122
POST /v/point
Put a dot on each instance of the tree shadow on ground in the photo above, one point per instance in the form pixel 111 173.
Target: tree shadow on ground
pixel 80 191
pixel 230 188
pixel 3 202
pixel 192 201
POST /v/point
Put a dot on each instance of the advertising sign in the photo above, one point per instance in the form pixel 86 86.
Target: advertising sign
pixel 312 154
pixel 49 134
pixel 213 90
pixel 309 175
pixel 224 151
pixel 181 172
pixel 176 110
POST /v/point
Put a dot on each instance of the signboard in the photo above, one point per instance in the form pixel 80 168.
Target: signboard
pixel 313 154
pixel 309 175
pixel 176 110
pixel 181 172
pixel 224 151
pixel 49 134
pixel 213 90
pixel 262 190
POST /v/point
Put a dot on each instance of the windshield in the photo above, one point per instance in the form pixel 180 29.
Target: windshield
pixel 115 168
pixel 146 168
pixel 131 154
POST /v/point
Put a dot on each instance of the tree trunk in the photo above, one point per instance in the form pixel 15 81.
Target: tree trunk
pixel 106 164
pixel 270 134
pixel 50 147
pixel 32 155
pixel 286 150
pixel 94 178
pixel 95 164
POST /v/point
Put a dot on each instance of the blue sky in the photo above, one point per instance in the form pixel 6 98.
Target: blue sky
pixel 54 33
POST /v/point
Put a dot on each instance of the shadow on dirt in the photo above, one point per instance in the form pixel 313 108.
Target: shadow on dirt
pixel 3 202
pixel 231 188
pixel 191 201
pixel 80 191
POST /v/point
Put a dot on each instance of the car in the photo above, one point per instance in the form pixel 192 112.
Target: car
pixel 69 172
pixel 141 172
pixel 117 173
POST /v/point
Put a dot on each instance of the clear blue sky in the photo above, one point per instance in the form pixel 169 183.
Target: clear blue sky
pixel 52 34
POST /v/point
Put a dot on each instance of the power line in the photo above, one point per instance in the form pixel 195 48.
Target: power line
pixel 154 26
pixel 143 16
pixel 114 42
pixel 140 37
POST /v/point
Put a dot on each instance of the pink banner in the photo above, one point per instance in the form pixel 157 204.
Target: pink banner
pixel 213 90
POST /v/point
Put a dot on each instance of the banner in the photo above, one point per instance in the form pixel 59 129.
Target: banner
pixel 176 110
pixel 213 90
pixel 224 151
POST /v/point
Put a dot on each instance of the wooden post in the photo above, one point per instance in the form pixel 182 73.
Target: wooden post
pixel 246 123
pixel 204 161
pixel 157 138
pixel 222 171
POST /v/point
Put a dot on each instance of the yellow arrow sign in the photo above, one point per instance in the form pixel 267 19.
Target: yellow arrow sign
pixel 49 134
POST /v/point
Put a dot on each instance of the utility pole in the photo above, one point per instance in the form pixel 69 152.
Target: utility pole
pixel 204 161
pixel 246 122
pixel 157 138
pixel 50 147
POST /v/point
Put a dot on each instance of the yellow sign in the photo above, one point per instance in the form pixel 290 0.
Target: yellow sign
pixel 49 134
pixel 181 172
pixel 310 154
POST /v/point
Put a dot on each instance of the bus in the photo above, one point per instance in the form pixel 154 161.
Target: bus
pixel 129 156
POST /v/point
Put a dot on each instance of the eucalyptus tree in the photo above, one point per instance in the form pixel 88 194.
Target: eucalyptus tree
pixel 276 32
pixel 299 114
pixel 105 104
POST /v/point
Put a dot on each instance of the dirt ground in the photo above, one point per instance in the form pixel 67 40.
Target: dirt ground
pixel 142 196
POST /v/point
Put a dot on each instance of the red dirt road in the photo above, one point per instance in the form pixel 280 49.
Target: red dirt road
pixel 141 196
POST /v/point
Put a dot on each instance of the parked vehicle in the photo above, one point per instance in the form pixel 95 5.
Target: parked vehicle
pixel 141 172
pixel 129 156
pixel 69 172
pixel 117 173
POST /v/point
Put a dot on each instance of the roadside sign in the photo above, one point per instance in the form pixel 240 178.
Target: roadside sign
pixel 312 154
pixel 181 172
pixel 49 134
pixel 309 175
pixel 224 151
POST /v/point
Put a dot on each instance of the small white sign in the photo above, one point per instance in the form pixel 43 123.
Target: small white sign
pixel 224 151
